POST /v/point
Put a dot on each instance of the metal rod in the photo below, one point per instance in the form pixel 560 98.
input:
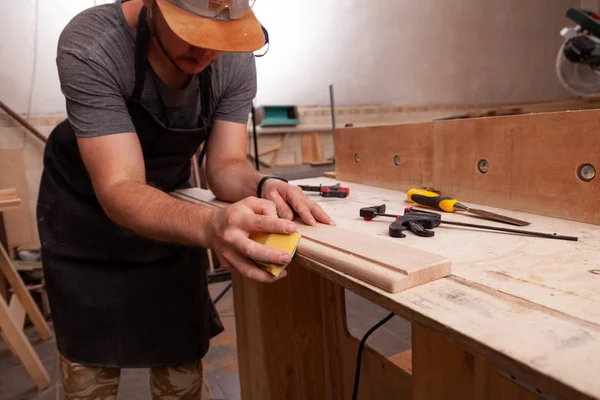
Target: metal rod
pixel 255 139
pixel 20 120
pixel 538 234
pixel 332 108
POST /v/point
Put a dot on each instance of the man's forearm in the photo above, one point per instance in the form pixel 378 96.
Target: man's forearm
pixel 155 214
pixel 234 181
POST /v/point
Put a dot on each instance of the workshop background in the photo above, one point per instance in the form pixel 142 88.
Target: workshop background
pixel 387 61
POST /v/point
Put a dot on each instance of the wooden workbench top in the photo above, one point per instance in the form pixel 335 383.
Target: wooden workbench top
pixel 517 300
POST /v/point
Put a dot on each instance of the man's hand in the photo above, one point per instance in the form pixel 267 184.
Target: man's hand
pixel 286 197
pixel 229 231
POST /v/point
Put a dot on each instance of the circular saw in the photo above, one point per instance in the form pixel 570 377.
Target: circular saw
pixel 578 60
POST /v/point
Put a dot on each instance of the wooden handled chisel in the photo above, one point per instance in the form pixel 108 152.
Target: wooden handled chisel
pixel 448 204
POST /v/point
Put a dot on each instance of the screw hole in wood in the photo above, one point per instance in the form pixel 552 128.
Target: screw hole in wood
pixel 483 166
pixel 586 172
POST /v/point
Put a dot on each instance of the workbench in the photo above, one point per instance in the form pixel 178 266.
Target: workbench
pixel 518 317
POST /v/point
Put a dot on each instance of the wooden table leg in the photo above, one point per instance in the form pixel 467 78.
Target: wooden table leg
pixel 293 343
pixel 442 370
pixel 21 346
pixel 4 243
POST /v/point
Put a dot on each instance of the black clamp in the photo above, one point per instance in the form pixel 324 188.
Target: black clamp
pixel 418 222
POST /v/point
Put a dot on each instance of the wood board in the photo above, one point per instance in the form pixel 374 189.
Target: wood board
pixel 390 266
pixel 369 155
pixel 532 160
pixel 9 199
pixel 12 175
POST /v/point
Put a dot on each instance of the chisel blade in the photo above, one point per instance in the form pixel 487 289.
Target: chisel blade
pixel 496 217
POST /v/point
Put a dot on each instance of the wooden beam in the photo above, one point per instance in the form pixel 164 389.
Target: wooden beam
pixel 11 274
pixel 388 265
pixel 21 346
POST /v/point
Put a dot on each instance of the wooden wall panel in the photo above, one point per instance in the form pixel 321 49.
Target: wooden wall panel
pixel 377 147
pixel 532 162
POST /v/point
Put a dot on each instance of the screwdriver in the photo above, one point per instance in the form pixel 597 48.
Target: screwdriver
pixel 448 204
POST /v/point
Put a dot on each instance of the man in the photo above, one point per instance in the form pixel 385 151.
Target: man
pixel 146 82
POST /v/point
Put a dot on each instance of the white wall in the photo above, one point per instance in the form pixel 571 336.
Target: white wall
pixel 23 42
pixel 411 52
pixel 373 51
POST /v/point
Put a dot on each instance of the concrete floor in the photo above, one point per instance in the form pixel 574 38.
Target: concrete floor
pixel 220 364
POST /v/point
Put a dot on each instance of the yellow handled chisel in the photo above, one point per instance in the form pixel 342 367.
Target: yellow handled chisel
pixel 448 204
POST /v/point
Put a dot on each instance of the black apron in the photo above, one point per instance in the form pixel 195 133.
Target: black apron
pixel 119 299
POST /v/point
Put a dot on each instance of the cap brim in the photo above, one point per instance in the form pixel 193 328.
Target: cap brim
pixel 240 35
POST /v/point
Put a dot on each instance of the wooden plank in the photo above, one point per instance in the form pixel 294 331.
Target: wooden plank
pixel 19 343
pixel 403 360
pixel 440 370
pixel 388 265
pixel 298 347
pixel 533 162
pixel 275 155
pixel 368 155
pixel 17 312
pixel 269 149
pixel 277 362
pixel 309 148
pixel 380 378
pixel 443 371
pixel 17 222
pixel 9 199
pixel 11 274
pixel 4 243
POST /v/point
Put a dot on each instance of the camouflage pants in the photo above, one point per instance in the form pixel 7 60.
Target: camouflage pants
pixel 92 383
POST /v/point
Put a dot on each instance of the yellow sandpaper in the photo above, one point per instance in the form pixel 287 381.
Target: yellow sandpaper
pixel 279 241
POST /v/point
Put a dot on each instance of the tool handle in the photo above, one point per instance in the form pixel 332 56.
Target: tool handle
pixel 431 199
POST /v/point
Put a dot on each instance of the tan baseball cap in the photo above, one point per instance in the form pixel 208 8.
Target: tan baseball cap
pixel 225 25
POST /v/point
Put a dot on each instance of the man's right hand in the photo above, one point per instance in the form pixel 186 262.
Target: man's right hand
pixel 228 237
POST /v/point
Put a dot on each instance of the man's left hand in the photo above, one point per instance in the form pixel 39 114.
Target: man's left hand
pixel 287 197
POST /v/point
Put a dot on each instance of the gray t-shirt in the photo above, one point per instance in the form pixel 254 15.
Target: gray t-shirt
pixel 96 57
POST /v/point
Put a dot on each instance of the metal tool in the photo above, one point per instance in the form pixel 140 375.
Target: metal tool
pixel 327 191
pixel 448 204
pixel 421 223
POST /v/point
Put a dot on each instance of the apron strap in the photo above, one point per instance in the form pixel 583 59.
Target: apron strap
pixel 141 48
pixel 205 97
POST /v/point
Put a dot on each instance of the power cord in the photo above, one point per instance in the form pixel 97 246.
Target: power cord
pixel 361 347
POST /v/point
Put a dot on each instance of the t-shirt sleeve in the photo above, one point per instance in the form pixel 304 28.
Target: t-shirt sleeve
pixel 95 101
pixel 235 102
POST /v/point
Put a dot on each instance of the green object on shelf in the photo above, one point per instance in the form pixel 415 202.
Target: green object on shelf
pixel 277 115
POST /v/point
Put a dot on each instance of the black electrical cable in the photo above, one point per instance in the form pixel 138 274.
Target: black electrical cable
pixel 361 347
pixel 222 293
